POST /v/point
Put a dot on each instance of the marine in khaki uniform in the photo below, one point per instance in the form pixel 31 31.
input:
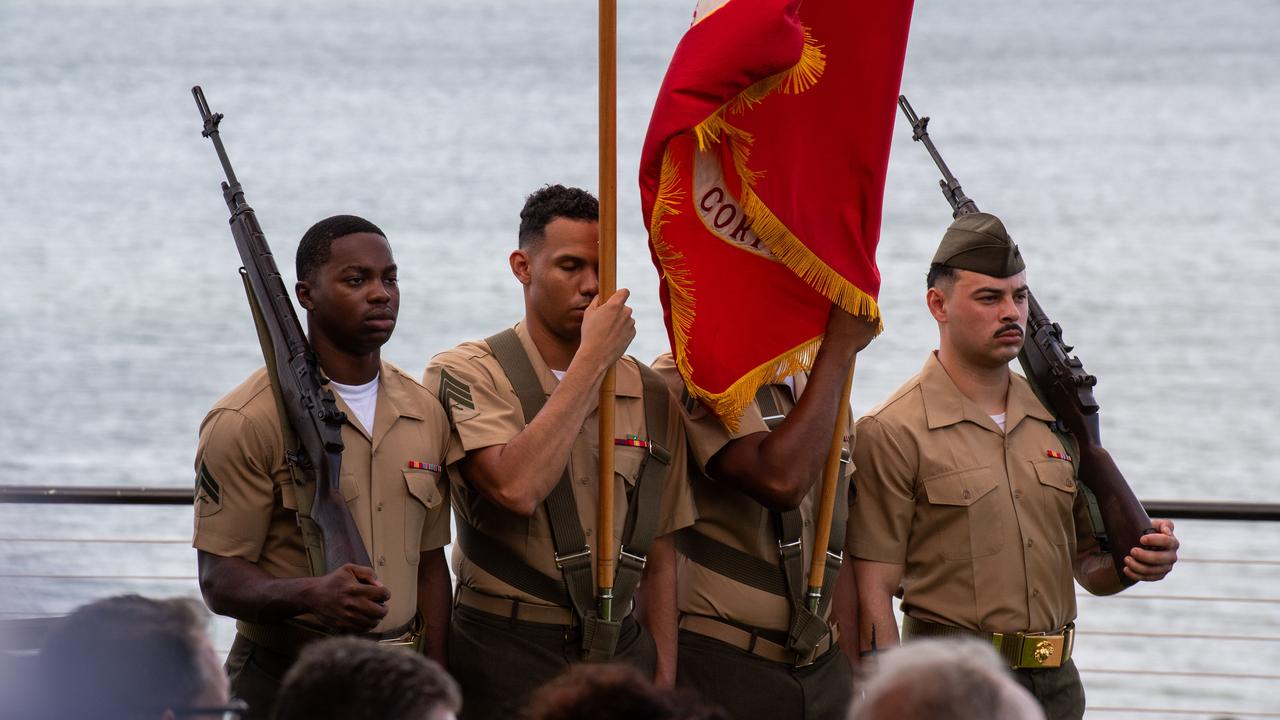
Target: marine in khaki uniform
pixel 735 645
pixel 253 565
pixel 517 624
pixel 967 506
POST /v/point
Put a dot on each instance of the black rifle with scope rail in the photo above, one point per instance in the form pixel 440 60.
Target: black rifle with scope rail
pixel 1060 381
pixel 308 409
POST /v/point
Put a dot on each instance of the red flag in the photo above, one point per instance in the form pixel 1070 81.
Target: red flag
pixel 761 182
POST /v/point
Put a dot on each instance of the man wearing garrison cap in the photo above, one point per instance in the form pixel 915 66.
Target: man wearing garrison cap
pixel 967 505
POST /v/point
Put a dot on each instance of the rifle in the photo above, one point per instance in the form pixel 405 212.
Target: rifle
pixel 1061 383
pixel 309 414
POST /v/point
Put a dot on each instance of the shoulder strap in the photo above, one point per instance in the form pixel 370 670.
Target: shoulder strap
pixel 572 554
pixel 643 510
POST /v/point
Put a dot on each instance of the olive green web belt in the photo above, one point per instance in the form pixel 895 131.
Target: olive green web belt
pixel 1023 651
pixel 576 586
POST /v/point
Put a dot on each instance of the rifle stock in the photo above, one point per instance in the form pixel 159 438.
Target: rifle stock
pixel 1061 383
pixel 309 411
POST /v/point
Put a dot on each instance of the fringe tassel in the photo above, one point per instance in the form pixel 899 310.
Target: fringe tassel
pixel 730 404
pixel 788 249
pixel 674 272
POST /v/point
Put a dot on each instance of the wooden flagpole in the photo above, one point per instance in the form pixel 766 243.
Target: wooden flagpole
pixel 606 561
pixel 827 500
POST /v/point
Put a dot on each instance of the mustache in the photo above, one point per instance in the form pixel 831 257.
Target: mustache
pixel 1011 326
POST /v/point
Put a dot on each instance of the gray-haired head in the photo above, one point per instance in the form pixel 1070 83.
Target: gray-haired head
pixel 953 679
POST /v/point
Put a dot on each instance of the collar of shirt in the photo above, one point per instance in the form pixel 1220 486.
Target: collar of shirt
pixel 394 401
pixel 626 384
pixel 945 405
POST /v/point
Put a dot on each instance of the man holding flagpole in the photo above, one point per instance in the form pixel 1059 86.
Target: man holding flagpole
pixel 523 407
pixel 741 631
pixel 762 182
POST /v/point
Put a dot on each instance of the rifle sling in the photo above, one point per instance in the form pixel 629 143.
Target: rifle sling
pixel 304 496
pixel 1091 500
pixel 573 555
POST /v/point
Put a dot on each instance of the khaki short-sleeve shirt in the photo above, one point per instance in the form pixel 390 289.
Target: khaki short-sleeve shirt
pixel 730 516
pixel 484 411
pixel 393 484
pixel 987 523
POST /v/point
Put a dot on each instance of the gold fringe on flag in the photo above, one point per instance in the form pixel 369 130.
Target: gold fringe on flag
pixel 782 243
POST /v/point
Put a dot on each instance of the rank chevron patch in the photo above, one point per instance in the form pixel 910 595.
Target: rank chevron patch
pixel 454 392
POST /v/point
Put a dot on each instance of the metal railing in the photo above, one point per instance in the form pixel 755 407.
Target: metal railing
pixel 1203 644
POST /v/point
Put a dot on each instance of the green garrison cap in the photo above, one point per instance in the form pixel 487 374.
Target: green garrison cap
pixel 979 242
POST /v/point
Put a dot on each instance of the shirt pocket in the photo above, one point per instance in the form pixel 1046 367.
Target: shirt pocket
pixel 424 495
pixel 1057 497
pixel 964 513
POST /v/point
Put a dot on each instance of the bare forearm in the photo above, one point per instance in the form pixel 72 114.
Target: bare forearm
pixel 1096 572
pixel 520 474
pixel 844 610
pixel 656 607
pixel 434 603
pixel 777 469
pixel 237 588
pixel 877 625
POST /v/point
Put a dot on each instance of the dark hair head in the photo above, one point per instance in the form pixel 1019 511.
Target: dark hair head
pixel 613 692
pixel 353 679
pixel 123 656
pixel 554 201
pixel 940 274
pixel 313 249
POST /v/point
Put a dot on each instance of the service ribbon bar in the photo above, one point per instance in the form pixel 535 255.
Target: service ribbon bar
pixel 419 465
pixel 631 441
pixel 1057 455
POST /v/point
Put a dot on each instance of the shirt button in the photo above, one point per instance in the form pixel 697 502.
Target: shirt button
pixel 1017 494
pixel 588 531
pixel 379 506
pixel 965 494
pixel 584 481
pixel 382 560
pixel 806 523
pixel 1035 593
pixel 1030 543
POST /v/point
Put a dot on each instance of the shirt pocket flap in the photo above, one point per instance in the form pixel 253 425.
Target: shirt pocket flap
pixel 1056 474
pixel 425 486
pixel 959 487
pixel 627 462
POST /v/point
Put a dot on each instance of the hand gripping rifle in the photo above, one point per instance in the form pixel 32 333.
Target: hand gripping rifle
pixel 1060 381
pixel 310 417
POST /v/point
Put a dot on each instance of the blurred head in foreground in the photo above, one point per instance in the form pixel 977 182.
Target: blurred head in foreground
pixel 591 691
pixel 131 657
pixel 933 679
pixel 348 678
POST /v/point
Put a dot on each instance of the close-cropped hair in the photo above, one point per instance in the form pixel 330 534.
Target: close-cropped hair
pixel 940 274
pixel 123 657
pixel 346 678
pixel 554 201
pixel 313 249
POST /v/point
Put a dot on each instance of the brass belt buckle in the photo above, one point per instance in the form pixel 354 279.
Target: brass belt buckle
pixel 1042 650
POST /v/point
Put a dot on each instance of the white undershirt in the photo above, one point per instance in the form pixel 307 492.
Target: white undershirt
pixel 362 399
pixel 1000 419
pixel 559 374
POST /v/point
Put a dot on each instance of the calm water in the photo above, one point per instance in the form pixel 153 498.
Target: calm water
pixel 1130 147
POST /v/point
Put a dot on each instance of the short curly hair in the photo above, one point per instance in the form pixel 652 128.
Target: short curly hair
pixel 313 249
pixel 550 202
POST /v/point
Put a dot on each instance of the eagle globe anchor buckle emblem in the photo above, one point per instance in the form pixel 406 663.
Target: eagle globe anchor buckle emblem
pixel 1043 651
